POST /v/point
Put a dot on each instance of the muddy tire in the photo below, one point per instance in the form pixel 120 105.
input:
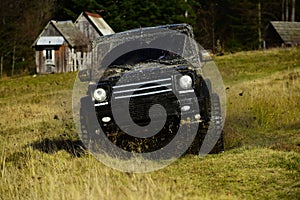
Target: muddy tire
pixel 215 125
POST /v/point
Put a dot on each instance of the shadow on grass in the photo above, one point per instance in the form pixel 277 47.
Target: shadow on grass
pixel 294 126
pixel 50 146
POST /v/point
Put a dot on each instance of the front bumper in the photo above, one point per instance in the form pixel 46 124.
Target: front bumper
pixel 186 110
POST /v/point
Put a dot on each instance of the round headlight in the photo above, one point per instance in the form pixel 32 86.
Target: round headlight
pixel 100 94
pixel 185 82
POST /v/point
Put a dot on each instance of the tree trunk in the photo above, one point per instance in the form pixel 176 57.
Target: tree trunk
pixel 213 27
pixel 259 25
pixel 282 10
pixel 1 66
pixel 13 60
pixel 186 14
pixel 293 10
pixel 286 10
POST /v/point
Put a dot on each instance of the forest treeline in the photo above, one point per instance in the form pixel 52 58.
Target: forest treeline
pixel 219 25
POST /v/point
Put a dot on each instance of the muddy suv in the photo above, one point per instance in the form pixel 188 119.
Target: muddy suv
pixel 149 76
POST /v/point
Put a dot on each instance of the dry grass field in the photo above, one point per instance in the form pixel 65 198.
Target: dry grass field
pixel 41 156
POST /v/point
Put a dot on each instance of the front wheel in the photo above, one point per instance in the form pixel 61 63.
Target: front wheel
pixel 214 127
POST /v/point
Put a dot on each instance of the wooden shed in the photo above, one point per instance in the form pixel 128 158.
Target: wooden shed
pixel 93 25
pixel 282 34
pixel 64 46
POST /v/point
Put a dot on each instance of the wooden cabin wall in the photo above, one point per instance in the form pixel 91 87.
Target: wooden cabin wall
pixel 66 60
pixel 39 61
pixel 86 28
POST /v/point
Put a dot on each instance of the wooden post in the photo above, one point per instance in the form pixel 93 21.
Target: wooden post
pixel 79 60
pixel 84 61
pixel 75 62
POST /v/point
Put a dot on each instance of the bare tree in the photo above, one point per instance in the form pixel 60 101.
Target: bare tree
pixel 286 10
pixel 293 10
pixel 287 6
pixel 259 25
pixel 282 10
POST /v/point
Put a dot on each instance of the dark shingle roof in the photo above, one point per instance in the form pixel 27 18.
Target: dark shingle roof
pixel 72 35
pixel 288 31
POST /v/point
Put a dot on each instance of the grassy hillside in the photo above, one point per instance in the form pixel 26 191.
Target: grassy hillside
pixel 41 157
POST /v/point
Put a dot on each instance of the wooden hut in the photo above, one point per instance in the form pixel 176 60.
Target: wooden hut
pixel 64 46
pixel 282 34
pixel 93 25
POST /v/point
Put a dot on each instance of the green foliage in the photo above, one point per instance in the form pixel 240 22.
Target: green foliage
pixel 129 14
pixel 233 23
pixel 20 24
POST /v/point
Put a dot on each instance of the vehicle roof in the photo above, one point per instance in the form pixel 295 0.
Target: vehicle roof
pixel 175 27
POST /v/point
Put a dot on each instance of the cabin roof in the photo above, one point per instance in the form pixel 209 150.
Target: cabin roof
pixel 289 32
pixel 98 22
pixel 67 31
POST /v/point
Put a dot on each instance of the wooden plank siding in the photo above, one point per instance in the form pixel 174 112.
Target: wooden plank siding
pixel 66 45
pixel 87 28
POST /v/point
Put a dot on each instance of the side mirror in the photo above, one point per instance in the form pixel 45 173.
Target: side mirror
pixel 205 56
pixel 84 75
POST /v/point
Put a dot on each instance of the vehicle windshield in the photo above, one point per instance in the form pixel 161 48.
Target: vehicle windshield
pixel 146 55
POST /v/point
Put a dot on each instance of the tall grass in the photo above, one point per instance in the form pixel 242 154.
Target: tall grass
pixel 262 98
pixel 41 156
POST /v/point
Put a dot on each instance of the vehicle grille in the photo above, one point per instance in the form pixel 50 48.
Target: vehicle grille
pixel 142 89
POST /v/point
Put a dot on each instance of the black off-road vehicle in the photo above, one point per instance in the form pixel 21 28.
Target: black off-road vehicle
pixel 136 70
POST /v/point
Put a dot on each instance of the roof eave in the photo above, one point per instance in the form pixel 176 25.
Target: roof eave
pixel 69 43
pixel 35 42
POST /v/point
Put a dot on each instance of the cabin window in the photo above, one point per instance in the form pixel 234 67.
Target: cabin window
pixel 49 54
